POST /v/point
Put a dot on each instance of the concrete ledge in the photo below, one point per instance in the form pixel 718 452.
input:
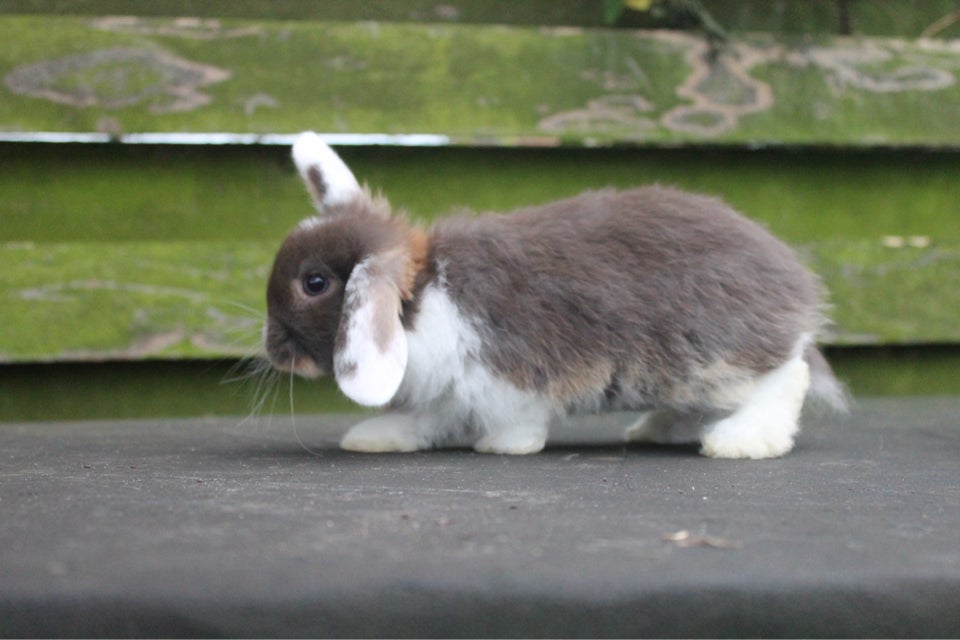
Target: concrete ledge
pixel 212 528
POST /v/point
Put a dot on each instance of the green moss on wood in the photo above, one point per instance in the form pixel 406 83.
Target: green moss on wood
pixel 52 193
pixel 118 390
pixel 904 18
pixel 189 300
pixel 477 84
pixel 163 253
pixel 892 290
pixel 126 301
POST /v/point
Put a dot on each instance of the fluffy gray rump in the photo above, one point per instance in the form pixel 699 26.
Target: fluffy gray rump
pixel 636 299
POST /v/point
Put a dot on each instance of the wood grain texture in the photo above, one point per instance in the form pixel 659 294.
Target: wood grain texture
pixel 486 85
pixel 120 301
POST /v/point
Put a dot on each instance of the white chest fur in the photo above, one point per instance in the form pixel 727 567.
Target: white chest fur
pixel 442 351
pixel 450 391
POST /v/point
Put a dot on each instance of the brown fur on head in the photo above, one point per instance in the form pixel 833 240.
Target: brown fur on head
pixel 339 280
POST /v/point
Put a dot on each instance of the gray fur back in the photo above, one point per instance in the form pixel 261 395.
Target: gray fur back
pixel 649 297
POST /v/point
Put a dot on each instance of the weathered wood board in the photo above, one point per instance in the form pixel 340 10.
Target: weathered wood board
pixel 105 193
pixel 902 18
pixel 122 301
pixel 125 301
pixel 490 85
pixel 149 251
pixel 129 252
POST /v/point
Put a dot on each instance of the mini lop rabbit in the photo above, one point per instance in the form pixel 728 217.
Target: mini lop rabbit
pixel 482 331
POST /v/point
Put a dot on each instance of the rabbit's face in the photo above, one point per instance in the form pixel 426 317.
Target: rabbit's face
pixel 338 283
pixel 304 300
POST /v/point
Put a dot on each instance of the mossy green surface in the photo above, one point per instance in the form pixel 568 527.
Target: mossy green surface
pixel 131 300
pixel 70 302
pixel 475 84
pixel 573 12
pixel 121 390
pixel 108 193
pixel 906 18
pixel 898 294
pixel 929 370
pixel 160 252
pixel 118 390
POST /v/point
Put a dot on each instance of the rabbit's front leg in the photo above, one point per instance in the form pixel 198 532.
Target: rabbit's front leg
pixel 390 432
pixel 514 428
pixel 517 440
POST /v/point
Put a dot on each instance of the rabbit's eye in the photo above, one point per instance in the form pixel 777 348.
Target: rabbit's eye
pixel 314 284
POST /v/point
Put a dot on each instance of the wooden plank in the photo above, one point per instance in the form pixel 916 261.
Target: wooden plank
pixel 190 388
pixel 119 301
pixel 531 12
pixel 55 193
pixel 172 240
pixel 474 85
pixel 903 18
pixel 122 301
pixel 898 290
pixel 164 388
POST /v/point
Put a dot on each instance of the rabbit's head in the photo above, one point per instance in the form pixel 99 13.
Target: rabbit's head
pixel 336 291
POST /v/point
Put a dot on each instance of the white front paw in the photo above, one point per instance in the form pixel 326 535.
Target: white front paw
pixel 384 434
pixel 512 443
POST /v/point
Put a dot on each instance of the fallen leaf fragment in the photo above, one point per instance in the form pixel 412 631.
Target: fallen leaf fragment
pixel 685 540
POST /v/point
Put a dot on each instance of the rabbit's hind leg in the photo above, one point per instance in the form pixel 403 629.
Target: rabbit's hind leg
pixel 763 426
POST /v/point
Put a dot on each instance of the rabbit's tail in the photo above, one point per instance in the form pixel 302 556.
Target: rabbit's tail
pixel 826 391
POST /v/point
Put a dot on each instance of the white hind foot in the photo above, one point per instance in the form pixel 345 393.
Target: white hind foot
pixel 764 426
pixel 391 432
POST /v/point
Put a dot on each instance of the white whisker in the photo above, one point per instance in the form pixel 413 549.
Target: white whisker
pixel 261 376
pixel 293 417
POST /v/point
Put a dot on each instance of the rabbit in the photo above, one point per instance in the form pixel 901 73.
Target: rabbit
pixel 485 330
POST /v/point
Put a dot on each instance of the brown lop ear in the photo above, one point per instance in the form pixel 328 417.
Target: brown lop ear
pixel 328 179
pixel 370 350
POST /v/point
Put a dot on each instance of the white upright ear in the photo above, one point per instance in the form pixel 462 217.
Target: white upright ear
pixel 370 350
pixel 328 179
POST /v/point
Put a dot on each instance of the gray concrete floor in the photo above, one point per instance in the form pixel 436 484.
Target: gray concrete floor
pixel 211 528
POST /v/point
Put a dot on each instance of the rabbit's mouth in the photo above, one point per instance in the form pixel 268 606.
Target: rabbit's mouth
pixel 305 367
pixel 286 354
pixel 297 363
